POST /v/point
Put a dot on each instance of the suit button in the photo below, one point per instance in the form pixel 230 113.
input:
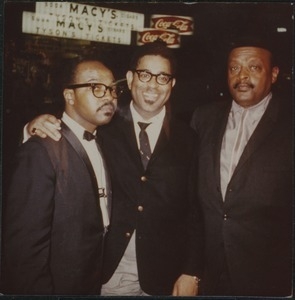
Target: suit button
pixel 143 178
pixel 128 234
pixel 225 217
pixel 140 208
pixel 230 190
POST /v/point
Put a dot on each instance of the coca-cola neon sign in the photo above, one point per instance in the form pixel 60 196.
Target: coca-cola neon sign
pixel 184 25
pixel 149 35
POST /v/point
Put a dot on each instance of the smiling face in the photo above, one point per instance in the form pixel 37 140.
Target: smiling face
pixel 250 75
pixel 81 105
pixel 150 97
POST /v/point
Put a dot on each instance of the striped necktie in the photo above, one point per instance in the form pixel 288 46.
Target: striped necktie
pixel 144 145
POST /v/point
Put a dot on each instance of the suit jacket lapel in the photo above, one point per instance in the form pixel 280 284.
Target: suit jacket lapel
pixel 263 129
pixel 218 133
pixel 73 140
pixel 163 139
pixel 127 128
pixel 99 142
pixel 131 139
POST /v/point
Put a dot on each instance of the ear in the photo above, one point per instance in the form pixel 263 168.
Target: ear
pixel 275 72
pixel 69 96
pixel 173 82
pixel 129 77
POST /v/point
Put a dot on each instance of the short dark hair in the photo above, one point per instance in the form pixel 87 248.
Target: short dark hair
pixel 69 70
pixel 255 41
pixel 154 48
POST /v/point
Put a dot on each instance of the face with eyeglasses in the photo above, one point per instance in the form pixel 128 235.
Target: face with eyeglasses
pixel 150 84
pixel 91 100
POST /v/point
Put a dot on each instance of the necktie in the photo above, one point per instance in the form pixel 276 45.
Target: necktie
pixel 145 149
pixel 88 136
pixel 241 137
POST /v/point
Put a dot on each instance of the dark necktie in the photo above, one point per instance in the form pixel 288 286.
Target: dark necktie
pixel 144 145
pixel 88 136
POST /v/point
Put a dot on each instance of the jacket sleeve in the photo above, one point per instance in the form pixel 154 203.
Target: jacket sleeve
pixel 27 217
pixel 195 228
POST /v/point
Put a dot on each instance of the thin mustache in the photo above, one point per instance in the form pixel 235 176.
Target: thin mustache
pixel 106 104
pixel 247 83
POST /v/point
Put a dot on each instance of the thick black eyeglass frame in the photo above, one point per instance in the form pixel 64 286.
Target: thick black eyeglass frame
pixel 93 85
pixel 153 75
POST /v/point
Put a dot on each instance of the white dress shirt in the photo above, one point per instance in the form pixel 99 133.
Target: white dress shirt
pixel 96 161
pixel 240 126
pixel 153 130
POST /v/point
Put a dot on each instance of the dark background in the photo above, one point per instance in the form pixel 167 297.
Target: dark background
pixel 30 75
pixel 31 70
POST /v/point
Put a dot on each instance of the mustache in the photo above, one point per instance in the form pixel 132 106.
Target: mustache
pixel 249 84
pixel 106 104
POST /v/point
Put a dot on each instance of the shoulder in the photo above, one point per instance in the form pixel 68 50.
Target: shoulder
pixel 209 108
pixel 35 142
pixel 43 148
pixel 46 143
pixel 181 128
pixel 121 119
pixel 285 104
pixel 208 113
pixel 31 157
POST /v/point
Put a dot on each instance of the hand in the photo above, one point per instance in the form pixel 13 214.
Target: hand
pixel 185 285
pixel 45 125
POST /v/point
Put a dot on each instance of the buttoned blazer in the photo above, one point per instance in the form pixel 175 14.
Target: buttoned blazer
pixel 52 223
pixel 251 231
pixel 157 203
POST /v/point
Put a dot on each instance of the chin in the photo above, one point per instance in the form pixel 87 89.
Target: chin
pixel 246 103
pixel 105 120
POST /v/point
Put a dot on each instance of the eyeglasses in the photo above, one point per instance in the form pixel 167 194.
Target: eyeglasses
pixel 99 89
pixel 146 76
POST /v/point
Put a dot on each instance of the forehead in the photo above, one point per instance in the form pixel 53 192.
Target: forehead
pixel 93 71
pixel 250 53
pixel 154 63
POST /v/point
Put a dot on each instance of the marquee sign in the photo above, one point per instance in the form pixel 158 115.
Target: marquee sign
pixel 80 21
pixel 99 24
pixel 184 25
pixel 50 25
pixel 108 16
pixel 148 35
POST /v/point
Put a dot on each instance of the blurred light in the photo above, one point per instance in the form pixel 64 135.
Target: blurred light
pixel 281 29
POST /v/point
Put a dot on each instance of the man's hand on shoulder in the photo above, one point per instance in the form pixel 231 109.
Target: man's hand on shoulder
pixel 45 126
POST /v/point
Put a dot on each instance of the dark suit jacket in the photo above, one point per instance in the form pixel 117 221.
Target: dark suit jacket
pixel 52 223
pixel 252 230
pixel 156 202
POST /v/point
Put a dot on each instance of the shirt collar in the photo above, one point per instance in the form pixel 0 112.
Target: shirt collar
pixel 155 119
pixel 256 111
pixel 77 129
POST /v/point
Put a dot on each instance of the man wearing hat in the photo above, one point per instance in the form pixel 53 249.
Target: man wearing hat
pixel 245 180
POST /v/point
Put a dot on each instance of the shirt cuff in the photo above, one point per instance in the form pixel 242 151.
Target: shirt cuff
pixel 26 134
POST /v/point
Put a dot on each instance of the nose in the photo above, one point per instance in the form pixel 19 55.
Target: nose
pixel 107 98
pixel 153 82
pixel 108 95
pixel 244 73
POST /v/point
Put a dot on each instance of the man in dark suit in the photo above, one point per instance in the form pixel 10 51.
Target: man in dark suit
pixel 245 180
pixel 154 244
pixel 56 210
